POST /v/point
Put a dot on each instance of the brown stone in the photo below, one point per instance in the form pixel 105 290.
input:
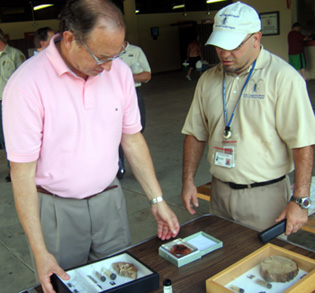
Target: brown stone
pixel 125 269
pixel 278 269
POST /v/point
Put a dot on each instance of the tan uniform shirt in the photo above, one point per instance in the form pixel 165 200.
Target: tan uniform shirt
pixel 274 115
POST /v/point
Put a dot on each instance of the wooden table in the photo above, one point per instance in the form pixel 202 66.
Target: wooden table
pixel 238 242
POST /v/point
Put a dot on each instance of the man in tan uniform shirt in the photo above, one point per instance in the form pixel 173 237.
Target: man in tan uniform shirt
pixel 254 111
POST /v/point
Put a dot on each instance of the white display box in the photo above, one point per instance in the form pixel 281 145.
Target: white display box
pixel 184 251
pixel 100 276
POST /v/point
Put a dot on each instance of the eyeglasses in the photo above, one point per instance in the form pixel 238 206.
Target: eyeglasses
pixel 98 61
pixel 241 44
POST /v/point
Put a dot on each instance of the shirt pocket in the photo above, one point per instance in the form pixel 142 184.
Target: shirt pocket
pixel 7 68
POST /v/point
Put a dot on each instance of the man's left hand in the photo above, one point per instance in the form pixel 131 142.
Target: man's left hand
pixel 296 218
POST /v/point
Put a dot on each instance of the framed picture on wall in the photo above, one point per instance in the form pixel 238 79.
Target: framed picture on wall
pixel 270 23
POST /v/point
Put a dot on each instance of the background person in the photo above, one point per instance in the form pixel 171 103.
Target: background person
pixel 140 67
pixel 252 143
pixel 70 107
pixel 10 59
pixel 194 54
pixel 296 48
pixel 42 38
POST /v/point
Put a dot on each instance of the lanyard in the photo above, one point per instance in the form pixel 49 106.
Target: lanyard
pixel 227 130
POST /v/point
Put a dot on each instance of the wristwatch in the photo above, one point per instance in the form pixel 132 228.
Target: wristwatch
pixel 156 200
pixel 304 202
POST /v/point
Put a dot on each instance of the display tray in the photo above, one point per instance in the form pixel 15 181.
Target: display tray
pixel 101 276
pixel 244 276
pixel 184 251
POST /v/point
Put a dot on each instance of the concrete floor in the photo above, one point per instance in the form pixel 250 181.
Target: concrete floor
pixel 168 97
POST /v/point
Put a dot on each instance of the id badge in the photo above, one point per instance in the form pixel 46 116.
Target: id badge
pixel 225 155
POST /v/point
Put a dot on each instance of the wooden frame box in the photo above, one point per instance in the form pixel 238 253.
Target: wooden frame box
pixel 99 276
pixel 218 282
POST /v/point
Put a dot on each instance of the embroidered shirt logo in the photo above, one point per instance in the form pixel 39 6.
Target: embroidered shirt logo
pixel 255 89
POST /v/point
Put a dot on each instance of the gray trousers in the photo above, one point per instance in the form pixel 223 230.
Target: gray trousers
pixel 256 207
pixel 80 231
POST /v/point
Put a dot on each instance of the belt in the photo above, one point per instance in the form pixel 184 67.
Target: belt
pixel 43 190
pixel 243 186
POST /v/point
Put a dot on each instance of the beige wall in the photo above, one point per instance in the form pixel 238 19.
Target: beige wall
pixel 276 44
pixel 163 53
pixel 16 30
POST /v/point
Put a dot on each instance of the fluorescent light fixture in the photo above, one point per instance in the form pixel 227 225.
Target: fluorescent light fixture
pixel 213 1
pixel 42 6
pixel 179 6
pixel 137 11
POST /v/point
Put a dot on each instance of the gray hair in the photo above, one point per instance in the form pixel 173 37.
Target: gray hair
pixel 82 16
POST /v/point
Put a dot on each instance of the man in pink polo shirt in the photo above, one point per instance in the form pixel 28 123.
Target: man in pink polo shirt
pixel 65 113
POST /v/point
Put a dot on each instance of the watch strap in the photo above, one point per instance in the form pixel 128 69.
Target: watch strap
pixel 303 202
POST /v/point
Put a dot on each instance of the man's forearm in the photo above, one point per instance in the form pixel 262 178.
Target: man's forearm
pixel 193 150
pixel 142 77
pixel 303 161
pixel 26 202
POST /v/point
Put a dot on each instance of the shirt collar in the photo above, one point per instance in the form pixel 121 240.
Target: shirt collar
pixel 54 56
pixel 261 59
pixel 127 45
pixel 5 50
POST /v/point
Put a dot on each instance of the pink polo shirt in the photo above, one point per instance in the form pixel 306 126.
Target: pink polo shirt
pixel 72 127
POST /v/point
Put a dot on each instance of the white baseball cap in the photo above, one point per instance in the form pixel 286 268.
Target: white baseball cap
pixel 232 24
